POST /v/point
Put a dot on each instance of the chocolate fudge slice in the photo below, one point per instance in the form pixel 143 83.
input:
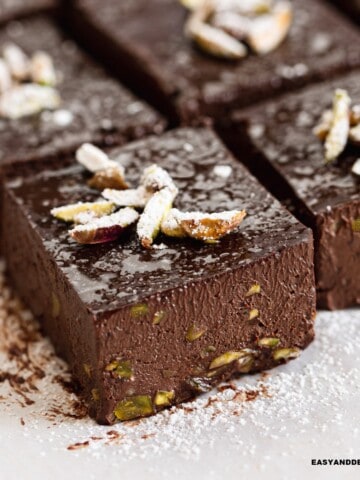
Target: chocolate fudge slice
pixel 94 107
pixel 277 142
pixel 144 43
pixel 351 7
pixel 143 329
pixel 16 9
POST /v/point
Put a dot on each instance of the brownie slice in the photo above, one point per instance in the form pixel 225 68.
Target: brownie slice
pixel 351 7
pixel 94 107
pixel 133 322
pixel 145 45
pixel 277 142
pixel 16 9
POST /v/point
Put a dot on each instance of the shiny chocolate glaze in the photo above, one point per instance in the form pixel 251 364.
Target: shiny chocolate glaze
pixel 85 294
pixel 277 142
pixel 102 111
pixel 156 58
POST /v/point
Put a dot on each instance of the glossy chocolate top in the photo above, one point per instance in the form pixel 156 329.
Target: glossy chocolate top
pixel 111 275
pixel 320 43
pixel 282 132
pixel 101 110
pixel 14 9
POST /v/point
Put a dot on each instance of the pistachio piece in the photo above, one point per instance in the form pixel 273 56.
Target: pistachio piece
pixel 268 31
pixel 104 229
pixel 337 138
pixel 164 398
pixel 95 395
pixel 94 159
pixel 270 342
pixel 139 310
pixel 134 407
pixel 112 177
pixel 210 226
pixel 17 61
pixel 121 369
pixel 355 225
pixel 246 7
pixel 191 4
pixel 155 210
pixel 87 369
pixel 170 225
pixel 42 69
pixel 199 384
pixel 194 333
pixel 158 317
pixel 136 198
pixel 254 313
pixel 232 23
pixel 156 178
pixel 355 115
pixel 216 42
pixel 253 290
pixel 356 167
pixel 5 77
pixel 70 213
pixel 286 353
pixel 322 129
pixel 225 359
pixel 28 99
pixel 206 351
pixel 245 363
pixel 354 135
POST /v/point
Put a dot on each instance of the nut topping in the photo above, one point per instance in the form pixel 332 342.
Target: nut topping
pixel 156 178
pixel 104 229
pixel 112 177
pixel 28 99
pixel 71 213
pixel 5 77
pixel 136 198
pixel 134 407
pixel 356 167
pixel 212 226
pixel 17 61
pixel 337 138
pixel 42 69
pixel 155 210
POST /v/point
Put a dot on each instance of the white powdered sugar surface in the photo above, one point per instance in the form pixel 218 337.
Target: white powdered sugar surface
pixel 263 426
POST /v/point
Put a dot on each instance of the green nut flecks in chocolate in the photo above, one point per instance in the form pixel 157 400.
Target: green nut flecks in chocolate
pixel 244 364
pixel 199 384
pixel 270 342
pixel 121 369
pixel 95 394
pixel 225 359
pixel 139 310
pixel 159 317
pixel 206 351
pixel 194 333
pixel 55 305
pixel 253 290
pixel 164 398
pixel 355 225
pixel 87 369
pixel 254 313
pixel 286 353
pixel 134 407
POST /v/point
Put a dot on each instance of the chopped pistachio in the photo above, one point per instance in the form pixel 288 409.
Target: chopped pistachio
pixel 337 138
pixel 191 4
pixel 111 177
pixel 245 363
pixel 199 384
pixel 42 69
pixel 254 313
pixel 17 61
pixel 87 369
pixel 194 333
pixel 270 342
pixel 134 407
pixel 164 398
pixel 206 351
pixel 94 159
pixel 95 395
pixel 286 353
pixel 55 305
pixel 68 213
pixel 136 198
pixel 355 225
pixel 233 23
pixel 170 225
pixel 139 310
pixel 155 210
pixel 156 178
pixel 210 226
pixel 105 229
pixel 253 290
pixel 28 99
pixel 356 167
pixel 158 317
pixel 322 129
pixel 268 31
pixel 225 359
pixel 121 368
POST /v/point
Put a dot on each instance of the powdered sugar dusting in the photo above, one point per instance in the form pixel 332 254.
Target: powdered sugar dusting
pixel 279 420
